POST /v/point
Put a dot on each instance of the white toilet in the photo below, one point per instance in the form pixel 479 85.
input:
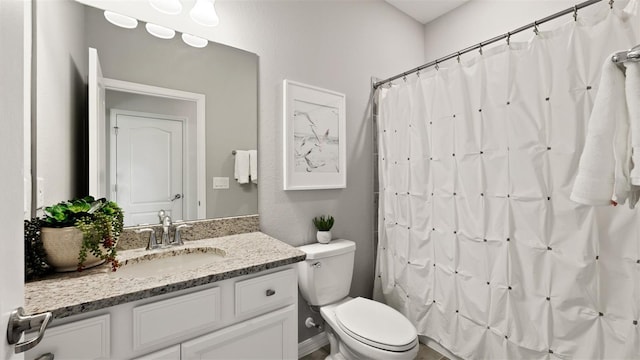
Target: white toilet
pixel 357 328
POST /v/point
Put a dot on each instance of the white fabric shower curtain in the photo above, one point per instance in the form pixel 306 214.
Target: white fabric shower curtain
pixel 479 244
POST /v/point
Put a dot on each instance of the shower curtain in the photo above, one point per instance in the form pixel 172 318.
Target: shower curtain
pixel 479 244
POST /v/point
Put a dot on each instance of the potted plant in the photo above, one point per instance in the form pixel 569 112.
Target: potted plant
pixel 81 233
pixel 324 225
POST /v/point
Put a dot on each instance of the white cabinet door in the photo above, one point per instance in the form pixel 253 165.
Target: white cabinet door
pixel 85 339
pixel 270 336
pixel 172 353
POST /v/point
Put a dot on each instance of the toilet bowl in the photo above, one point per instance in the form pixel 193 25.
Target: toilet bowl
pixel 357 328
pixel 370 330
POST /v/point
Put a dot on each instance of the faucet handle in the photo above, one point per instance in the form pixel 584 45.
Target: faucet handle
pixel 152 244
pixel 178 236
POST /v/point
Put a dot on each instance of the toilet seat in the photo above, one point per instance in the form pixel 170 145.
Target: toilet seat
pixel 376 324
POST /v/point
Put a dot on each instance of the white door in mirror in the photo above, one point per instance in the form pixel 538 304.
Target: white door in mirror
pixel 146 166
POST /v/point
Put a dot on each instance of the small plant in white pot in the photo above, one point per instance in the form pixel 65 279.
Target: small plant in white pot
pixel 323 224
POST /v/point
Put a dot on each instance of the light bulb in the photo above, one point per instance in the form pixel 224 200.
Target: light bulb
pixel 160 31
pixel 170 7
pixel 194 41
pixel 121 20
pixel 204 13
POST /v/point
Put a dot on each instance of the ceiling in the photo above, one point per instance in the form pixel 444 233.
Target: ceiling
pixel 426 10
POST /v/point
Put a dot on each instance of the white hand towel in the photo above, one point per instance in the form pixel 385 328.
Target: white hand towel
pixel 253 165
pixel 242 167
pixel 603 173
pixel 632 92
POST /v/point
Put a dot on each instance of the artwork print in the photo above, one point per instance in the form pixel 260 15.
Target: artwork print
pixel 316 137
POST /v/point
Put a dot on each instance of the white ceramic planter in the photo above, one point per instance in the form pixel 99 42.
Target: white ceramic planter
pixel 63 246
pixel 324 237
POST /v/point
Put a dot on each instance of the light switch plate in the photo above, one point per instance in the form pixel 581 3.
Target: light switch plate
pixel 220 182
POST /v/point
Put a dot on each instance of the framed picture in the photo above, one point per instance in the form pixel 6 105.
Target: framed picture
pixel 314 138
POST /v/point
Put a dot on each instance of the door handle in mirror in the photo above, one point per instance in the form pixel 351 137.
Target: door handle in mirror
pixel 177 197
pixel 19 323
pixel 271 292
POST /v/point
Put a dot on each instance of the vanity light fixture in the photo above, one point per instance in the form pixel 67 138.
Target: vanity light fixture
pixel 169 7
pixel 121 20
pixel 160 31
pixel 194 41
pixel 204 13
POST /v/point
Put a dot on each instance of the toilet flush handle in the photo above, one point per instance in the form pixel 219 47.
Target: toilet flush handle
pixel 316 265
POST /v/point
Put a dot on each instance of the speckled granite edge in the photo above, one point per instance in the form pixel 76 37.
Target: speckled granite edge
pixel 202 229
pixel 68 294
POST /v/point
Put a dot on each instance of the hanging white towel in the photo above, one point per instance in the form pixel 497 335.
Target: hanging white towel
pixel 632 92
pixel 253 165
pixel 242 166
pixel 603 173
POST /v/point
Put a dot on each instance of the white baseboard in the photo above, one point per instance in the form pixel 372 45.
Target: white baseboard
pixel 312 344
pixel 437 347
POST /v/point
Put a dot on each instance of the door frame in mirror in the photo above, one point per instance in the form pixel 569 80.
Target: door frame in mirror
pixel 200 101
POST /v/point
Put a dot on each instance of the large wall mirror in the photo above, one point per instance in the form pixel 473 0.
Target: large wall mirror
pixel 165 105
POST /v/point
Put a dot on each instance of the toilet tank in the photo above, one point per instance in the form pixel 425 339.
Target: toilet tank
pixel 325 276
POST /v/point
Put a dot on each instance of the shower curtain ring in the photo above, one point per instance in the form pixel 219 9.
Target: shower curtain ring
pixel 575 12
pixel 611 4
pixel 508 38
pixel 458 57
pixel 404 77
pixel 535 27
pixel 437 66
pixel 480 49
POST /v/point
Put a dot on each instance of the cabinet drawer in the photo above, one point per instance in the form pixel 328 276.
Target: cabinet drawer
pixel 85 339
pixel 266 292
pixel 160 321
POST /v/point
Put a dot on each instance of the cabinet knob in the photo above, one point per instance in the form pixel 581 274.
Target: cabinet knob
pixel 271 292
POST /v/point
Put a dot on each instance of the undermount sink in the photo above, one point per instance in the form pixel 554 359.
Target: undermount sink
pixel 168 262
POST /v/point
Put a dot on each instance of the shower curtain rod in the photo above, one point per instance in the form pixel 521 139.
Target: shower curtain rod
pixel 507 36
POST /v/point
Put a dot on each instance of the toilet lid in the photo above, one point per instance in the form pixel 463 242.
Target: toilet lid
pixel 376 324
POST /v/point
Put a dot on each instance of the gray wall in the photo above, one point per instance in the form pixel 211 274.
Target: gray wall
pixel 226 76
pixel 61 100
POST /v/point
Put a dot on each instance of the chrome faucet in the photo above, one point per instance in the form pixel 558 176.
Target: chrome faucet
pixel 153 244
pixel 166 227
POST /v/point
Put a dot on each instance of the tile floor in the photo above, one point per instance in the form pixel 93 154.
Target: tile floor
pixel 425 353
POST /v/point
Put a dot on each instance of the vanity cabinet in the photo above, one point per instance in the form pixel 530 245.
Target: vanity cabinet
pixel 247 317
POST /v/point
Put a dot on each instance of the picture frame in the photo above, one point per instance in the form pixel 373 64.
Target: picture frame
pixel 314 138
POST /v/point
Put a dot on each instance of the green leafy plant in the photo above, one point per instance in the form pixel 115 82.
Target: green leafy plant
pixel 35 263
pixel 323 223
pixel 101 222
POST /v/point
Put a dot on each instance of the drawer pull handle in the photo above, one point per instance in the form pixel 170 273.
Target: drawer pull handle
pixel 271 292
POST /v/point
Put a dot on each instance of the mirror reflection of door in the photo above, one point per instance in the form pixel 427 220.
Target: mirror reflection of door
pixel 146 165
pixel 97 148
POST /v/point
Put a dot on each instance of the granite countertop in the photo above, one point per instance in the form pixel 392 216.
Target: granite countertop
pixel 67 294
